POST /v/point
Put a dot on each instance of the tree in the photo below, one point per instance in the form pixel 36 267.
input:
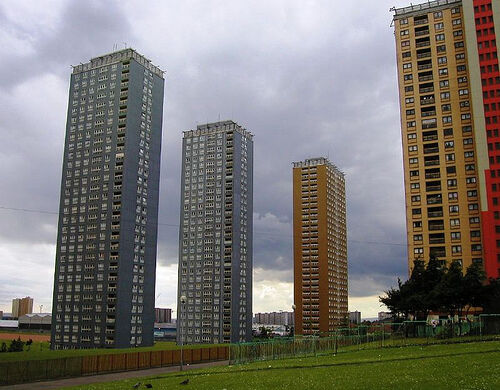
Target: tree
pixel 491 300
pixel 16 345
pixel 450 290
pixel 473 288
pixel 432 276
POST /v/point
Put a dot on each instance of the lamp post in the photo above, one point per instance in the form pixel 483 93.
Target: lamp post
pixel 293 327
pixel 183 300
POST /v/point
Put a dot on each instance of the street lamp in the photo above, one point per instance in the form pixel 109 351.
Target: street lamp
pixel 183 300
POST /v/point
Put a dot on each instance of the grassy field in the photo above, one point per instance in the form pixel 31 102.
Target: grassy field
pixel 458 366
pixel 41 351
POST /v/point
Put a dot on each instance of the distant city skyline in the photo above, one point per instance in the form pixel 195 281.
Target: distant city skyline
pixel 281 70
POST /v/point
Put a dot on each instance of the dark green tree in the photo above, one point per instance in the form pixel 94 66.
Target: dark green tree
pixel 474 288
pixel 450 290
pixel 491 300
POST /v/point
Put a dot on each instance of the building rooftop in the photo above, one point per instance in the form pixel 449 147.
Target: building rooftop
pixel 312 162
pixel 423 8
pixel 217 127
pixel 118 56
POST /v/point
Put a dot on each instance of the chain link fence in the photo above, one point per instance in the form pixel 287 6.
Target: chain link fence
pixel 380 335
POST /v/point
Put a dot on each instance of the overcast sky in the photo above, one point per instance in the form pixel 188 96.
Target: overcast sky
pixel 307 78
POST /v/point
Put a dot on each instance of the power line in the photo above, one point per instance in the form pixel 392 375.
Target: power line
pixel 257 232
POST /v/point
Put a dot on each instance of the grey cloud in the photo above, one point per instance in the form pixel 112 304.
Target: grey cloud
pixel 306 80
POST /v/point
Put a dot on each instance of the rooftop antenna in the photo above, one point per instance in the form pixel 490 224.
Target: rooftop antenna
pixel 41 307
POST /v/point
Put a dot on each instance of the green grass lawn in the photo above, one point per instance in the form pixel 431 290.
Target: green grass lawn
pixel 41 351
pixel 454 366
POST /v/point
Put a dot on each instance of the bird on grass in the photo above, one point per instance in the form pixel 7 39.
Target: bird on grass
pixel 137 385
pixel 148 385
pixel 185 382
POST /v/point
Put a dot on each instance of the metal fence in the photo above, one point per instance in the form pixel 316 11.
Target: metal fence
pixel 380 335
pixel 38 370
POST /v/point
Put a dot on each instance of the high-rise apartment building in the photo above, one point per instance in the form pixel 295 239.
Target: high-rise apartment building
pixel 449 86
pixel 163 315
pixel 215 238
pixel 22 306
pixel 274 318
pixel 106 245
pixel 320 247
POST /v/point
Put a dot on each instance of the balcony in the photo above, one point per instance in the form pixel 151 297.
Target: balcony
pixel 426 89
pixel 425 78
pixel 425 54
pixel 436 225
pixel 420 21
pixel 427 100
pixel 420 32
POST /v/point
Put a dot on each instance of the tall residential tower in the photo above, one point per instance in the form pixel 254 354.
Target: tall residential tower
pixel 449 86
pixel 106 244
pixel 215 238
pixel 320 247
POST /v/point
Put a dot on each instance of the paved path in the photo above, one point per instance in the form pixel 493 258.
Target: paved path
pixel 87 380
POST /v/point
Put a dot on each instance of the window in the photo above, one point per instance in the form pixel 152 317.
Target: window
pixel 455 222
pixel 438 14
pixel 444 83
pixel 403 21
pixel 410 100
pixel 404 32
pixel 442 60
pixel 445 96
pixel 455 235
pixel 415 186
pixel 439 26
pixel 439 37
pixel 412 148
pixel 407 65
pixel 443 71
pixel 412 136
pixel 418 251
pixel 414 160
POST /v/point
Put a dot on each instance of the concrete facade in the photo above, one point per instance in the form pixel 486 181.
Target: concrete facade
pixel 106 247
pixel 320 247
pixel 215 238
pixel 450 114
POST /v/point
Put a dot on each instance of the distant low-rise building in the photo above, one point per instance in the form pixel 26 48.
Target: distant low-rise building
pixel 355 317
pixel 22 306
pixel 8 324
pixel 384 316
pixel 165 331
pixel 274 318
pixel 163 315
pixel 40 321
pixel 1 314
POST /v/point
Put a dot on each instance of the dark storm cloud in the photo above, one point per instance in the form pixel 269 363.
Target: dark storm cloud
pixel 81 30
pixel 33 83
pixel 324 94
pixel 306 78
